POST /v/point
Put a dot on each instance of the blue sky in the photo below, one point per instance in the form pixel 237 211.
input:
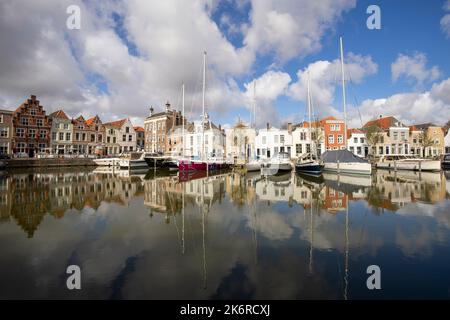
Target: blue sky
pixel 130 55
pixel 407 28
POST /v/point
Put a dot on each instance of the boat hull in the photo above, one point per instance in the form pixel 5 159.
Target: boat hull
pixel 253 166
pixel 133 164
pixel 107 162
pixel 357 168
pixel 309 168
pixel 154 162
pixel 419 165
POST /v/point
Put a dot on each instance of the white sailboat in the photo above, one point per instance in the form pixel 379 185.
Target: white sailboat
pixel 253 164
pixel 344 161
pixel 309 163
pixel 408 163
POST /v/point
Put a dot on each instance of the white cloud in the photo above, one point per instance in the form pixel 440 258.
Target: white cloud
pixel 445 25
pixel 413 68
pixel 411 108
pixel 292 28
pixel 325 77
pixel 268 88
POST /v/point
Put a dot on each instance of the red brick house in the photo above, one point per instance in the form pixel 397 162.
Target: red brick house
pixel 31 128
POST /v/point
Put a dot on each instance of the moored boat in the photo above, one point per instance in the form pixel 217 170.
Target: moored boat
pixel 134 161
pixel 107 162
pixel 446 162
pixel 280 163
pixel 408 163
pixel 345 162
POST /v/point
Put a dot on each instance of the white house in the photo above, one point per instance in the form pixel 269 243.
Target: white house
pixel 447 142
pixel 214 144
pixel 271 141
pixel 61 133
pixel 120 137
pixel 240 142
pixel 301 140
pixel 357 143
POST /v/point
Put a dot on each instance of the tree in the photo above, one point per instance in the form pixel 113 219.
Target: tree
pixel 426 141
pixel 373 136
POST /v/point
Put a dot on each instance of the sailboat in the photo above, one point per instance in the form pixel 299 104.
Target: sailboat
pixel 253 164
pixel 202 164
pixel 309 163
pixel 344 161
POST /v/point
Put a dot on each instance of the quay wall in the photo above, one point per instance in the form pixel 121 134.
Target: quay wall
pixel 45 163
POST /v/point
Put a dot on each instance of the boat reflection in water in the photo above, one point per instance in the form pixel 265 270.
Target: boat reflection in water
pixel 160 235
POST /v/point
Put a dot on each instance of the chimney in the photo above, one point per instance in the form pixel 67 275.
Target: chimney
pixel 151 111
pixel 289 127
pixel 167 106
pixel 268 126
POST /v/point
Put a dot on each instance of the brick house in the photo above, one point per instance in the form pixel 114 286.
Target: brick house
pixel 97 137
pixel 31 128
pixel 335 133
pixel 6 132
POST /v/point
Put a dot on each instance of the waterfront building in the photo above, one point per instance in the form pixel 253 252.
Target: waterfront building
pixel 240 142
pixel 84 137
pixel 214 144
pixel 97 139
pixel 271 141
pixel 140 138
pixel 157 126
pixel 61 133
pixel 301 139
pixel 32 127
pixel 447 141
pixel 387 136
pixel 120 137
pixel 434 139
pixel 6 132
pixel 357 143
pixel 335 133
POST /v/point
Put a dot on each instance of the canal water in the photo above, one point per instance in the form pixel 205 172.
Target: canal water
pixel 226 236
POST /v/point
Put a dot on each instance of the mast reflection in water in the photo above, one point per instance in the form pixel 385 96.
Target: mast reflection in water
pixel 227 236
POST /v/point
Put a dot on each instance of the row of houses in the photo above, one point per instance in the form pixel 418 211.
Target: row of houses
pixel 28 131
pixel 382 136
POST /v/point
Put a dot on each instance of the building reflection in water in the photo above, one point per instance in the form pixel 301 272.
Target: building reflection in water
pixel 288 222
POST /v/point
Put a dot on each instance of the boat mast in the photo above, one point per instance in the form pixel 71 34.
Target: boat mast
pixel 203 105
pixel 254 104
pixel 182 120
pixel 309 117
pixel 343 91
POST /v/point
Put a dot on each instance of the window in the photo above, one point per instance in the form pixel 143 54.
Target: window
pixel 340 138
pixel 395 135
pixel 108 139
pixel 84 137
pixel 21 147
pixel 66 126
pixel 282 139
pixel 24 121
pixel 130 138
pixel 362 140
pixel 124 138
pixel 77 136
pixel 358 150
pixel 32 132
pixel 3 132
pixel 330 139
pixel 298 148
pixel 355 140
pixel 352 149
pixel 302 136
pixel 235 140
pixel 338 127
pixel 1 118
pixel 387 150
pixel 33 112
pixel 53 135
pixel 39 122
pixel 3 148
pixel 275 150
pixel 114 140
pixel 92 137
pixel 61 136
pixel 275 139
pixel 308 148
pixel 127 130
pixel 68 136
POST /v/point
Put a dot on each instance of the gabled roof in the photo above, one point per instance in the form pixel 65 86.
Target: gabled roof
pixel 139 129
pixel 116 124
pixel 91 121
pixel 382 123
pixel 60 114
pixel 423 126
pixel 351 131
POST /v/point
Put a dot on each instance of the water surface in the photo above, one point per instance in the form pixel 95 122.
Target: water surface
pixel 156 236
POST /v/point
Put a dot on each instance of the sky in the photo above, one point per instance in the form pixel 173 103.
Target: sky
pixel 130 55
